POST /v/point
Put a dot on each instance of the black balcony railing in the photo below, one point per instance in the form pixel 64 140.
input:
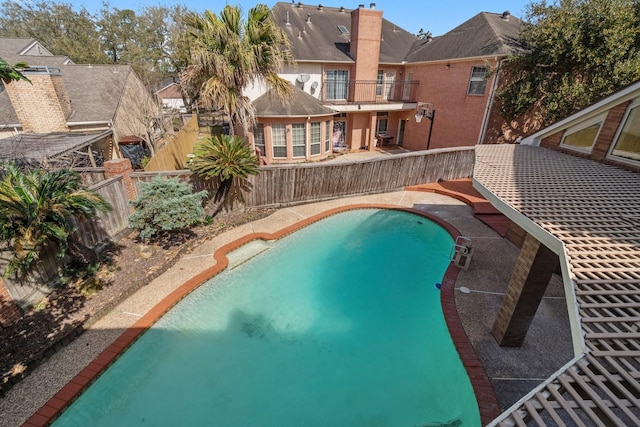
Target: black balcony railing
pixel 368 92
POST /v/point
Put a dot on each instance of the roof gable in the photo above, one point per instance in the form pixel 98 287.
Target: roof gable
pixel 15 50
pixel 486 34
pixel 170 91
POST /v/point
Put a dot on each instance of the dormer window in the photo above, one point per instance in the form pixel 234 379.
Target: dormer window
pixel 627 145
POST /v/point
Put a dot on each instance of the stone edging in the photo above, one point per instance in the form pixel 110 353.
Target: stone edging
pixel 487 402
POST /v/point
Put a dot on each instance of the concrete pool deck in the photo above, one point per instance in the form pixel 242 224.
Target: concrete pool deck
pixel 513 371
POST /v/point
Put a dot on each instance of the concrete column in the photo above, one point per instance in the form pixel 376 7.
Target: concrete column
pixel 527 285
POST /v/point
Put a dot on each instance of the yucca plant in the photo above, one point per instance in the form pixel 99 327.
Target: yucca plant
pixel 37 211
pixel 226 158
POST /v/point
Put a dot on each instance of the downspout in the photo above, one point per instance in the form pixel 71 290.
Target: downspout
pixel 487 113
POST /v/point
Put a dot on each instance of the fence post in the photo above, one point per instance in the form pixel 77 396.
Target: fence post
pixel 122 167
pixel 9 310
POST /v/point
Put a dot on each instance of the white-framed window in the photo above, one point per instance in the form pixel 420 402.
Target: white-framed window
pixel 299 139
pixel 478 81
pixel 379 83
pixel 337 84
pixel 316 138
pixel 582 136
pixel 258 138
pixel 627 142
pixel 327 135
pixel 279 141
pixel 382 123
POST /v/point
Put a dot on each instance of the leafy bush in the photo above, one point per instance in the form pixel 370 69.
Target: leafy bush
pixel 166 206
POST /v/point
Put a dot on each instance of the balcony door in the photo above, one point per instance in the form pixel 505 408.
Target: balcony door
pixel 337 84
pixel 389 78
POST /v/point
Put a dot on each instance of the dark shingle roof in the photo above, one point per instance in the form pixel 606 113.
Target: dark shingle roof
pixel 486 34
pixel 94 90
pixel 11 48
pixel 300 105
pixel 7 113
pixel 321 40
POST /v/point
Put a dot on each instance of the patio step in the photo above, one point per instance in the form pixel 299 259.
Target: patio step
pixel 462 189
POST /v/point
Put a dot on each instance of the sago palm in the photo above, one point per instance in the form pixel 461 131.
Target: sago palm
pixel 228 53
pixel 226 158
pixel 37 211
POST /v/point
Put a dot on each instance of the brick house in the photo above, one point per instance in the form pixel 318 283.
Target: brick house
pixel 64 97
pixel 377 77
pixel 607 131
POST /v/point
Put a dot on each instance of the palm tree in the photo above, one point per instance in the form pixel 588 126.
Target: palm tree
pixel 37 211
pixel 229 53
pixel 8 72
pixel 224 157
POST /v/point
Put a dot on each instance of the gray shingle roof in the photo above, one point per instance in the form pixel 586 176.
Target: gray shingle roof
pixel 94 90
pixel 486 34
pixel 10 49
pixel 321 40
pixel 300 105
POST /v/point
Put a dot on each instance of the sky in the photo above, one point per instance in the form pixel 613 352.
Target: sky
pixel 435 16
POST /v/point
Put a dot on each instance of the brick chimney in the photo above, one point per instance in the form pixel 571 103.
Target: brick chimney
pixel 42 106
pixel 366 32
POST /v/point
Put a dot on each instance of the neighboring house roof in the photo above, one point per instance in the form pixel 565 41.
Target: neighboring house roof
pixel 29 50
pixel 486 34
pixel 170 91
pixel 8 117
pixel 300 105
pixel 319 39
pixel 40 146
pixel 94 90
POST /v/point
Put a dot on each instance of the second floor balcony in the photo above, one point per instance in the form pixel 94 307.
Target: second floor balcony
pixel 368 92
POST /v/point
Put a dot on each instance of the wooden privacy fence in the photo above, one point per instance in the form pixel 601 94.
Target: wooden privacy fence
pixel 174 155
pixel 291 184
pixel 277 185
pixel 92 232
pixel 282 185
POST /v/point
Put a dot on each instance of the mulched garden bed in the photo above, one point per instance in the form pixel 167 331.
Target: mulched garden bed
pixel 127 266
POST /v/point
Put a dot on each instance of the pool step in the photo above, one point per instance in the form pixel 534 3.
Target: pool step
pixel 246 252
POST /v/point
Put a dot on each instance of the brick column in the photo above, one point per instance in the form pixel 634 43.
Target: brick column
pixel 122 167
pixel 527 285
pixel 9 310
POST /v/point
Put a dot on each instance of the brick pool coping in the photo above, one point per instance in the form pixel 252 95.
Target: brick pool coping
pixel 487 402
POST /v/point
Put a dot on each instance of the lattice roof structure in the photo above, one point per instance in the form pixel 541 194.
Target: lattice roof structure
pixel 588 213
pixel 60 149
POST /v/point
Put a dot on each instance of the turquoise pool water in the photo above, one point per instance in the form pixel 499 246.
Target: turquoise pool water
pixel 338 324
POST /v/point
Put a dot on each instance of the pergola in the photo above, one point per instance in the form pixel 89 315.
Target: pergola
pixel 60 149
pixel 586 215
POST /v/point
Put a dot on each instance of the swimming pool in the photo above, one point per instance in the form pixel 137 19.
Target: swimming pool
pixel 337 324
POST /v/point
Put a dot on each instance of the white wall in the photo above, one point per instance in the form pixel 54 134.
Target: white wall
pixel 292 73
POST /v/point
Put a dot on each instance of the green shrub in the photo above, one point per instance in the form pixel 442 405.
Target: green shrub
pixel 166 206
